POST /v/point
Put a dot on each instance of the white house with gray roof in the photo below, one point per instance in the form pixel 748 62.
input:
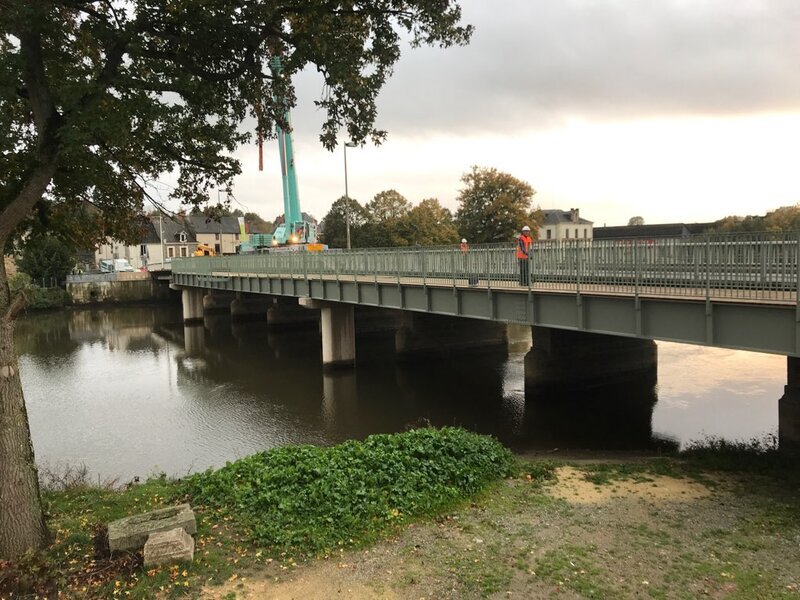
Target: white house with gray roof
pixel 564 225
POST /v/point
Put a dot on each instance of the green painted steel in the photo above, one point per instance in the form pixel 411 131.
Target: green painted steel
pixel 760 267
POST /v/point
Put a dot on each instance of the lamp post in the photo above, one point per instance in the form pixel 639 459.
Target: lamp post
pixel 346 194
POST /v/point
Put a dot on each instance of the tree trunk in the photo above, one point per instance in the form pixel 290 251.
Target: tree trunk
pixel 22 525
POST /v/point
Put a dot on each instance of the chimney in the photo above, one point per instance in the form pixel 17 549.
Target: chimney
pixel 573 215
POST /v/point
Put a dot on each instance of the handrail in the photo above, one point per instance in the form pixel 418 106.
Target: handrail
pixel 756 266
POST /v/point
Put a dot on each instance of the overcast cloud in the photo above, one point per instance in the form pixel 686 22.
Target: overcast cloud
pixel 677 110
pixel 532 63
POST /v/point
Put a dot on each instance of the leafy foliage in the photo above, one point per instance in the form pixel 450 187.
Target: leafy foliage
pixel 311 499
pixel 493 206
pixel 429 224
pixel 334 225
pixel 385 213
pixel 45 258
pixel 389 220
pixel 785 218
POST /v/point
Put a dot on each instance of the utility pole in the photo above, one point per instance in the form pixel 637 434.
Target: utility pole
pixel 161 239
pixel 346 194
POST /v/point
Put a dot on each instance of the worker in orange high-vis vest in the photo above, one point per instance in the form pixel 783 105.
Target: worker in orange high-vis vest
pixel 523 255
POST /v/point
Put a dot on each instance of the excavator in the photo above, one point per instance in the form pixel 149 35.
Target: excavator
pixel 295 231
pixel 204 250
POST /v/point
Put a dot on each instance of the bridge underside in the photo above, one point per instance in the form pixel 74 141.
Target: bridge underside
pixel 754 325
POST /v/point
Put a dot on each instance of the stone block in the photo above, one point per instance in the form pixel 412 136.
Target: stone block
pixel 168 547
pixel 131 533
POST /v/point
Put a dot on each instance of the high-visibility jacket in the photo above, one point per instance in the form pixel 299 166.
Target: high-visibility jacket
pixel 524 246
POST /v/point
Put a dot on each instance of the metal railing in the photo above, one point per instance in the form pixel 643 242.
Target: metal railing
pixel 753 266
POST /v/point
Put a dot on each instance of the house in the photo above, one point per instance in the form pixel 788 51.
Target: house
pixel 162 239
pixel 222 235
pixel 564 225
pixel 655 231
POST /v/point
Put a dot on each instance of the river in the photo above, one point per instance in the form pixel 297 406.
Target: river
pixel 118 391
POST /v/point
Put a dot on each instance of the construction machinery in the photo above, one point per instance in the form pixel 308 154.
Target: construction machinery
pixel 295 230
pixel 204 250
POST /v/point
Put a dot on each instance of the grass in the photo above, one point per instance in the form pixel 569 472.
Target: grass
pixel 310 501
pixel 446 519
pixel 263 510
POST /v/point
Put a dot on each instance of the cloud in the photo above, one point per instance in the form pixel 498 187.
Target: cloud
pixel 534 63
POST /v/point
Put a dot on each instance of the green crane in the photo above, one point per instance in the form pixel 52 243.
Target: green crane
pixel 294 229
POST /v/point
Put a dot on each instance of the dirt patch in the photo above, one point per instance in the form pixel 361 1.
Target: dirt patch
pixel 574 487
pixel 323 579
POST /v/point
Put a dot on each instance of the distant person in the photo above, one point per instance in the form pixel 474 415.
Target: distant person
pixel 472 280
pixel 523 255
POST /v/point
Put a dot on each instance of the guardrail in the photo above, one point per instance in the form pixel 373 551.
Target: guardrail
pixel 762 266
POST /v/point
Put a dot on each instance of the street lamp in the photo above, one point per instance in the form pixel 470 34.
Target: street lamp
pixel 346 195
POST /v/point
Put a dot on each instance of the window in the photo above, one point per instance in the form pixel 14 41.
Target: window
pixel 182 236
pixel 216 236
pixel 549 234
pixel 236 236
pixel 142 249
pixel 183 251
pixel 576 233
pixel 170 251
pixel 585 233
pixel 566 233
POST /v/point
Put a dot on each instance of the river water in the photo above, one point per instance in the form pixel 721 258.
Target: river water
pixel 118 391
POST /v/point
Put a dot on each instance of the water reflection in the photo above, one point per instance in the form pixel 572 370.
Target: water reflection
pixel 129 391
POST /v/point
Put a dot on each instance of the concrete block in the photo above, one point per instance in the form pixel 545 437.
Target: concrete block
pixel 168 547
pixel 131 533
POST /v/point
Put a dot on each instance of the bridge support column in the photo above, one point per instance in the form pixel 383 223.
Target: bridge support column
pixel 249 307
pixel 338 328
pixel 192 300
pixel 563 359
pixel 286 313
pixel 789 409
pixel 423 334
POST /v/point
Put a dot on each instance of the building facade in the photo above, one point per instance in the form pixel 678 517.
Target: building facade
pixel 223 235
pixel 564 225
pixel 162 239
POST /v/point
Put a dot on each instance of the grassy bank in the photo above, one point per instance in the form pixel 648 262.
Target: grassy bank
pixel 446 513
pixel 281 505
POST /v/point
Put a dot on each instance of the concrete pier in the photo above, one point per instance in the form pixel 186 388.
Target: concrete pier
pixel 563 359
pixel 338 328
pixel 192 299
pixel 422 335
pixel 789 409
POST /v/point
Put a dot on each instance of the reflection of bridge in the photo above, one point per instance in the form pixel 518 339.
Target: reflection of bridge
pixel 734 291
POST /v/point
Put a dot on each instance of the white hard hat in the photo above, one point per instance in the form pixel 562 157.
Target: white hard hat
pixel 463 240
pixel 526 228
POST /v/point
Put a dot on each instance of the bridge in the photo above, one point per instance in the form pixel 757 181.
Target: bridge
pixel 737 291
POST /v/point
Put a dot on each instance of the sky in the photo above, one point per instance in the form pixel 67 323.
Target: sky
pixel 673 110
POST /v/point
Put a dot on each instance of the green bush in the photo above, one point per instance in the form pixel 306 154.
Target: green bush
pixel 38 298
pixel 308 499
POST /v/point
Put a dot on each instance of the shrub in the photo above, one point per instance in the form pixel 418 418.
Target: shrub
pixel 310 499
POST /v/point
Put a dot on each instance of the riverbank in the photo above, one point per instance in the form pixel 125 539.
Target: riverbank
pixel 721 521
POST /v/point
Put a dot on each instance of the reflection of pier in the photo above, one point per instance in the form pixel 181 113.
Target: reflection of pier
pixel 282 371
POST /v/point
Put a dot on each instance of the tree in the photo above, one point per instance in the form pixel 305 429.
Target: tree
pixel 334 225
pixel 46 258
pixel 493 206
pixel 429 224
pixel 257 224
pixel 634 221
pixel 385 213
pixel 100 98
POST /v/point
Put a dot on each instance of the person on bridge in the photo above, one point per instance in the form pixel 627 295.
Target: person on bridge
pixel 472 280
pixel 523 255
